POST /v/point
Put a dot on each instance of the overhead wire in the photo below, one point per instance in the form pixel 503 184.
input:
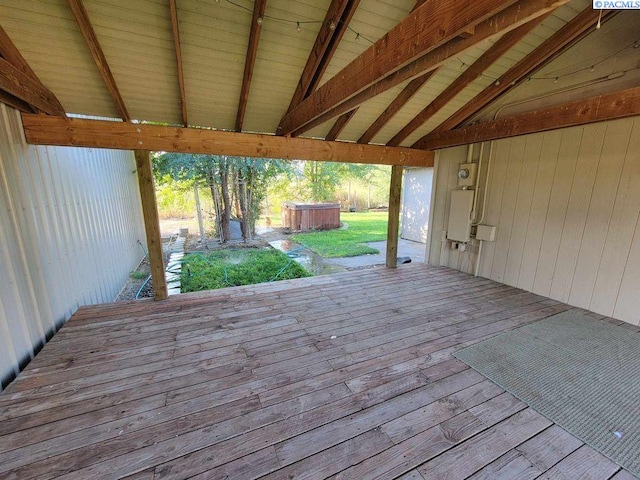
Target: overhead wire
pixel 591 67
pixel 298 22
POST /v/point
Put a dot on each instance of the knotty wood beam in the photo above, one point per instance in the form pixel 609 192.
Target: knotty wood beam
pixel 611 106
pixel 497 50
pixel 89 34
pixel 551 48
pixel 393 225
pixel 15 102
pixel 252 51
pixel 21 82
pixel 508 19
pixel 43 130
pixel 339 125
pixel 17 83
pixel 151 223
pixel 339 13
pixel 400 101
pixel 173 9
pixel 11 54
pixel 429 26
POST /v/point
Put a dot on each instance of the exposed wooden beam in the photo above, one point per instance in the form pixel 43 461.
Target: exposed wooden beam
pixel 15 102
pixel 250 60
pixel 475 70
pixel 431 25
pixel 173 9
pixel 44 130
pixel 400 101
pixel 611 106
pixel 393 225
pixel 17 83
pixel 26 81
pixel 11 54
pixel 339 125
pixel 541 56
pixel 89 34
pixel 151 223
pixel 339 15
pixel 510 18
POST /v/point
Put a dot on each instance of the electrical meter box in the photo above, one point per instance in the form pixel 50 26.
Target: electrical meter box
pixel 467 173
pixel 459 226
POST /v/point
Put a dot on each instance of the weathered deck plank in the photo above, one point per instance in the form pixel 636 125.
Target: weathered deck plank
pixel 344 376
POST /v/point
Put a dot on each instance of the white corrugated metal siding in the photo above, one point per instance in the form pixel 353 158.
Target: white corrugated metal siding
pixel 70 221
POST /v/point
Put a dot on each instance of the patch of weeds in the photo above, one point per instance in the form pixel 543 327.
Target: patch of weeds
pixel 138 275
pixel 235 267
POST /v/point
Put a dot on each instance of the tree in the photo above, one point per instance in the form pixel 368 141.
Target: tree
pixel 239 180
pixel 322 179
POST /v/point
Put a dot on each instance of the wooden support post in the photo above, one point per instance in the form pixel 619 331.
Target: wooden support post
pixel 394 216
pixel 151 223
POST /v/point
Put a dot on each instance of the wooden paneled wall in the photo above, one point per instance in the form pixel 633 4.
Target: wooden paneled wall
pixel 567 206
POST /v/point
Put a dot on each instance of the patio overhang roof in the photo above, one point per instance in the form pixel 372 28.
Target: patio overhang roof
pixel 341 70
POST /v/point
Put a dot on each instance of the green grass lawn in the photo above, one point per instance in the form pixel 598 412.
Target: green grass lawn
pixel 350 242
pixel 237 266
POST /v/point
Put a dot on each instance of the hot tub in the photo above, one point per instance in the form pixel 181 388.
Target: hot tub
pixel 302 217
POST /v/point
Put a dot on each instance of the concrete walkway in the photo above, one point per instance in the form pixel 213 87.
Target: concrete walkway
pixel 406 248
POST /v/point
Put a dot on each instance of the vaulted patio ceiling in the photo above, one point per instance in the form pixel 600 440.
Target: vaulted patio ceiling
pixel 369 71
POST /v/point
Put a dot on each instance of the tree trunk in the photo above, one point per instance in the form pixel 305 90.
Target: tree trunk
pixel 198 211
pixel 226 200
pixel 235 194
pixel 242 205
pixel 251 208
pixel 217 204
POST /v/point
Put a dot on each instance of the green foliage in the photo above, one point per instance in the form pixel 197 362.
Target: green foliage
pixel 325 181
pixel 175 198
pixel 238 183
pixel 288 185
pixel 138 275
pixel 348 242
pixel 322 179
pixel 238 266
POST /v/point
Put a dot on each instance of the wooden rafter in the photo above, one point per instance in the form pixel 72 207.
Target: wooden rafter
pixel 252 50
pixel 541 56
pixel 22 88
pixel 497 50
pixel 15 102
pixel 89 34
pixel 18 84
pixel 12 55
pixel 611 106
pixel 339 125
pixel 45 130
pixel 400 101
pixel 338 15
pixel 508 19
pixel 431 25
pixel 173 9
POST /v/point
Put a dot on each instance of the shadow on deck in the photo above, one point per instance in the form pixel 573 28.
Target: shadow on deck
pixel 350 375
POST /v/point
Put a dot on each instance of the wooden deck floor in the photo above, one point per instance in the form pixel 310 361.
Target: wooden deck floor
pixel 344 376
